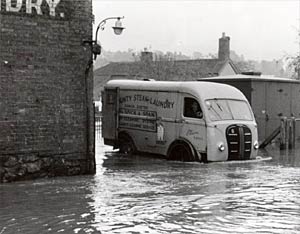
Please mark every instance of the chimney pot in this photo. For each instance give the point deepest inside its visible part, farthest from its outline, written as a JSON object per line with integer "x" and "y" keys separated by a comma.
{"x": 224, "y": 47}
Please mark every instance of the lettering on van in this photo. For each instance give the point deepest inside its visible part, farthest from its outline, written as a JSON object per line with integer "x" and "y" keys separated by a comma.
{"x": 194, "y": 134}
{"x": 138, "y": 112}
{"x": 191, "y": 132}
{"x": 138, "y": 119}
{"x": 165, "y": 104}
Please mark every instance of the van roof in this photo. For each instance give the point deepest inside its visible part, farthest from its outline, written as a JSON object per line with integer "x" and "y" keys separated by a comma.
{"x": 200, "y": 89}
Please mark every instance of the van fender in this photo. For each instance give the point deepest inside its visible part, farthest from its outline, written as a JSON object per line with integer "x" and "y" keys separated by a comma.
{"x": 123, "y": 134}
{"x": 185, "y": 142}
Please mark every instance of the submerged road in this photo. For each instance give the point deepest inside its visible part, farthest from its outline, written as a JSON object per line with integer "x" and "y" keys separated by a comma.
{"x": 143, "y": 194}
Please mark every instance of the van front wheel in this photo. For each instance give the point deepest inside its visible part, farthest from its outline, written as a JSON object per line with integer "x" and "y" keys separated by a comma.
{"x": 181, "y": 151}
{"x": 126, "y": 145}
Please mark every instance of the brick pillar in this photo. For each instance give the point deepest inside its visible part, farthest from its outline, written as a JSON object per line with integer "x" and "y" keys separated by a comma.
{"x": 46, "y": 100}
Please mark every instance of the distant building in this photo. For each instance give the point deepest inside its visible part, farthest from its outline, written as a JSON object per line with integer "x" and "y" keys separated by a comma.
{"x": 167, "y": 69}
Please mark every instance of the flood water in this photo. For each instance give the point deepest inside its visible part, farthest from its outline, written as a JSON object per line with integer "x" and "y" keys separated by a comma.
{"x": 143, "y": 194}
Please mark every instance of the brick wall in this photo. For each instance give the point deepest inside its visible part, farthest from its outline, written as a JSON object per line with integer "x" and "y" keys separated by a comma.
{"x": 46, "y": 117}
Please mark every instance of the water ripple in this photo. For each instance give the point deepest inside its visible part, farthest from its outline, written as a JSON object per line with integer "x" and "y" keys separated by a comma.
{"x": 142, "y": 194}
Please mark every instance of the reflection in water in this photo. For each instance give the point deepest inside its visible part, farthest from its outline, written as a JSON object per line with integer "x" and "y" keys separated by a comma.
{"x": 144, "y": 194}
{"x": 47, "y": 206}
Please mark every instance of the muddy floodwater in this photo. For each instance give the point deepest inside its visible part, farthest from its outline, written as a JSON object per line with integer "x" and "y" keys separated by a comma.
{"x": 144, "y": 194}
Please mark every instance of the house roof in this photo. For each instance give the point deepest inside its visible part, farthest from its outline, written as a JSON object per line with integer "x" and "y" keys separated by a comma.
{"x": 191, "y": 68}
{"x": 116, "y": 68}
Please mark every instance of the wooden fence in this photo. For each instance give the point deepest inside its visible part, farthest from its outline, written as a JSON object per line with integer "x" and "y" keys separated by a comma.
{"x": 287, "y": 132}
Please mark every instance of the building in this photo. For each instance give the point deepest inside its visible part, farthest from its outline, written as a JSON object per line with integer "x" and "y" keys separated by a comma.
{"x": 46, "y": 119}
{"x": 161, "y": 69}
{"x": 270, "y": 98}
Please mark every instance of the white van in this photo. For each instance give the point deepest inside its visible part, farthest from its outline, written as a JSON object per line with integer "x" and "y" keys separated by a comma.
{"x": 186, "y": 121}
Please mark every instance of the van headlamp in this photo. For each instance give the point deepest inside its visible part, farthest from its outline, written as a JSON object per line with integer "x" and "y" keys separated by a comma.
{"x": 256, "y": 145}
{"x": 221, "y": 147}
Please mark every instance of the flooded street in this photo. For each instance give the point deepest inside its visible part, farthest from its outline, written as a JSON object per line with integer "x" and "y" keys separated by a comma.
{"x": 143, "y": 194}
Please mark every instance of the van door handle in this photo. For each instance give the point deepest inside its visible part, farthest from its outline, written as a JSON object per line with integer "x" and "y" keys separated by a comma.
{"x": 180, "y": 121}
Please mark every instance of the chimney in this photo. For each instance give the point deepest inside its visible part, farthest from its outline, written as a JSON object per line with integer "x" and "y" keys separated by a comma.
{"x": 224, "y": 47}
{"x": 146, "y": 56}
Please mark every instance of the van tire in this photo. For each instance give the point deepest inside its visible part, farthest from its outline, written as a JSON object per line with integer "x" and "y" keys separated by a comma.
{"x": 181, "y": 151}
{"x": 126, "y": 144}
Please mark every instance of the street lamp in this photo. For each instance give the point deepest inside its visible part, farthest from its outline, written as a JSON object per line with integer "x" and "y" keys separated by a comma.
{"x": 96, "y": 48}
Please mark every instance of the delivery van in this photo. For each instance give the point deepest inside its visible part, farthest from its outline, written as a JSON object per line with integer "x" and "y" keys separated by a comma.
{"x": 185, "y": 121}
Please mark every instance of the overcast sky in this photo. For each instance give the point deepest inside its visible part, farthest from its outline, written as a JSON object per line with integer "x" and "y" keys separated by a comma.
{"x": 258, "y": 29}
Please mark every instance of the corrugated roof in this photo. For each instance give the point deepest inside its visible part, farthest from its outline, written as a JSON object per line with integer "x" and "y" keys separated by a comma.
{"x": 240, "y": 77}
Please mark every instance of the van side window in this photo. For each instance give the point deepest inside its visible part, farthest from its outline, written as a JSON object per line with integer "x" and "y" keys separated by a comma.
{"x": 192, "y": 108}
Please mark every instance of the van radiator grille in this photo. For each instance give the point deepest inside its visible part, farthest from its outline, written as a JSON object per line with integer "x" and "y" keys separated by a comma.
{"x": 239, "y": 139}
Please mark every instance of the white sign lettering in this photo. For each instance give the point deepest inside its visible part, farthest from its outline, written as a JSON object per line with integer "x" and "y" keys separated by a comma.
{"x": 16, "y": 6}
{"x": 11, "y": 8}
{"x": 36, "y": 5}
{"x": 52, "y": 5}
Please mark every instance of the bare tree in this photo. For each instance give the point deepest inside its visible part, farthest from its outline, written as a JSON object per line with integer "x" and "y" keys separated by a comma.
{"x": 294, "y": 65}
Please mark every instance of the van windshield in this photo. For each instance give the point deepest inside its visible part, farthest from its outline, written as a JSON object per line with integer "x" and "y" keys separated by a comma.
{"x": 228, "y": 109}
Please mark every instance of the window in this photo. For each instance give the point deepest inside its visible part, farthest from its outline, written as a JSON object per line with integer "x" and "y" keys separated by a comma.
{"x": 192, "y": 108}
{"x": 226, "y": 109}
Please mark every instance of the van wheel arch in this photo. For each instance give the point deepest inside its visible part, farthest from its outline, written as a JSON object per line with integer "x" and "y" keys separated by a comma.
{"x": 182, "y": 150}
{"x": 126, "y": 144}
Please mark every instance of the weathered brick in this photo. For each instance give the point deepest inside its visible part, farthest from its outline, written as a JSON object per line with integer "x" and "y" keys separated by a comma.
{"x": 45, "y": 109}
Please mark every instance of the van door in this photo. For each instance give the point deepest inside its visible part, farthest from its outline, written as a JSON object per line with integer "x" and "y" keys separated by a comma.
{"x": 110, "y": 107}
{"x": 193, "y": 127}
{"x": 278, "y": 96}
{"x": 258, "y": 104}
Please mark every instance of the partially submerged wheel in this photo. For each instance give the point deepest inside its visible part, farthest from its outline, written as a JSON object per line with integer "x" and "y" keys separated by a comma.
{"x": 126, "y": 145}
{"x": 181, "y": 151}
